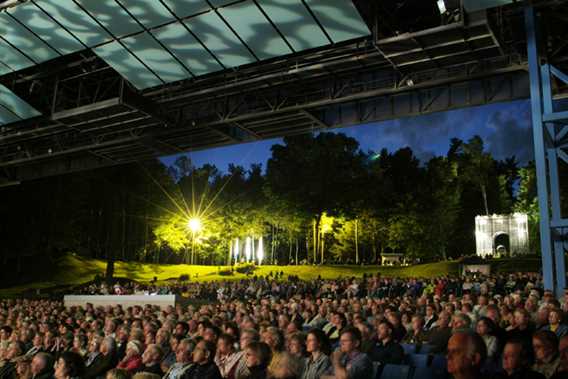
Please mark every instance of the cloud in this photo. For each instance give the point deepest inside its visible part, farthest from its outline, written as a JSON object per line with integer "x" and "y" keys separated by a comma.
{"x": 510, "y": 134}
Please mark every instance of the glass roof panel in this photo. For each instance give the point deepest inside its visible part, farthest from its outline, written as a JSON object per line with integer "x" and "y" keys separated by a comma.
{"x": 219, "y": 39}
{"x": 340, "y": 19}
{"x": 145, "y": 47}
{"x": 150, "y": 13}
{"x": 47, "y": 29}
{"x": 4, "y": 69}
{"x": 187, "y": 49}
{"x": 221, "y": 3}
{"x": 127, "y": 65}
{"x": 6, "y": 116}
{"x": 70, "y": 15}
{"x": 112, "y": 16}
{"x": 13, "y": 58}
{"x": 184, "y": 8}
{"x": 13, "y": 103}
{"x": 17, "y": 35}
{"x": 296, "y": 23}
{"x": 255, "y": 30}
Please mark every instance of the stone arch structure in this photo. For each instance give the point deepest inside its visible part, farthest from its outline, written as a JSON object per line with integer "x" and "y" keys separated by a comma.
{"x": 491, "y": 234}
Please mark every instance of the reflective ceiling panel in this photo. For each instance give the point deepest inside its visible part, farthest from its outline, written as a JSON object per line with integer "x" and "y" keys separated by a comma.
{"x": 187, "y": 49}
{"x": 127, "y": 65}
{"x": 7, "y": 117}
{"x": 340, "y": 19}
{"x": 112, "y": 16}
{"x": 255, "y": 30}
{"x": 16, "y": 106}
{"x": 17, "y": 35}
{"x": 45, "y": 28}
{"x": 78, "y": 22}
{"x": 13, "y": 58}
{"x": 296, "y": 23}
{"x": 219, "y": 39}
{"x": 150, "y": 13}
{"x": 145, "y": 47}
{"x": 184, "y": 8}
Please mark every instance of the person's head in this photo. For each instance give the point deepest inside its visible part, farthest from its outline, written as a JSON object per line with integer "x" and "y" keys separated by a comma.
{"x": 41, "y": 362}
{"x": 225, "y": 344}
{"x": 248, "y": 336}
{"x": 485, "y": 326}
{"x": 15, "y": 349}
{"x": 273, "y": 338}
{"x": 211, "y": 333}
{"x": 555, "y": 316}
{"x": 108, "y": 346}
{"x": 466, "y": 354}
{"x": 133, "y": 349}
{"x": 69, "y": 365}
{"x": 287, "y": 366}
{"x": 297, "y": 344}
{"x": 349, "y": 340}
{"x": 317, "y": 341}
{"x": 181, "y": 328}
{"x": 117, "y": 373}
{"x": 258, "y": 354}
{"x": 384, "y": 331}
{"x": 545, "y": 346}
{"x": 163, "y": 337}
{"x": 461, "y": 322}
{"x": 563, "y": 350}
{"x": 5, "y": 333}
{"x": 184, "y": 350}
{"x": 521, "y": 317}
{"x": 204, "y": 352}
{"x": 443, "y": 320}
{"x": 152, "y": 355}
{"x": 515, "y": 356}
{"x": 23, "y": 367}
{"x": 417, "y": 323}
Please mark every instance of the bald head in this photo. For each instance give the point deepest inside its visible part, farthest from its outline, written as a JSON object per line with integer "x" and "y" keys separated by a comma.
{"x": 466, "y": 354}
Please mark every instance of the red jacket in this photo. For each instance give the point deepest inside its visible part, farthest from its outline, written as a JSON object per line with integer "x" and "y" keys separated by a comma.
{"x": 131, "y": 364}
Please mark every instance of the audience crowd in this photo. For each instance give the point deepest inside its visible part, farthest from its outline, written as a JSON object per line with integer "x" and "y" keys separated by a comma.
{"x": 500, "y": 326}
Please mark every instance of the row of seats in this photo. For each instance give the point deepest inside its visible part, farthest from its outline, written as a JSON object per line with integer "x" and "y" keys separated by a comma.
{"x": 407, "y": 372}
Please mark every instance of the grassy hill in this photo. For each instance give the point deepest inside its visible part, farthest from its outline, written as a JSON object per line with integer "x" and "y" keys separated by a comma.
{"x": 75, "y": 270}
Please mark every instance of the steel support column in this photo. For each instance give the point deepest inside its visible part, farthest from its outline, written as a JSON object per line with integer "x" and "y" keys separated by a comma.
{"x": 547, "y": 147}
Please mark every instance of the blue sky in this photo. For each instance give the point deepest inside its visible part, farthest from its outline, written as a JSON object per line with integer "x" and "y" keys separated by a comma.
{"x": 505, "y": 129}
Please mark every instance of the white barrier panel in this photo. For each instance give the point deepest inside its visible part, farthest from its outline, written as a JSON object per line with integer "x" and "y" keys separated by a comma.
{"x": 124, "y": 300}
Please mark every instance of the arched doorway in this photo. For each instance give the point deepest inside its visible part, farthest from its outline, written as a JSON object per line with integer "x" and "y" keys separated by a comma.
{"x": 501, "y": 244}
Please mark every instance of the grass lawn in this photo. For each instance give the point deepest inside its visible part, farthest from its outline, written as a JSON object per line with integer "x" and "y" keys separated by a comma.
{"x": 75, "y": 270}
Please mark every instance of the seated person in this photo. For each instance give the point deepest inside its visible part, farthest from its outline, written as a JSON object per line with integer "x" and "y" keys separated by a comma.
{"x": 516, "y": 362}
{"x": 349, "y": 362}
{"x": 547, "y": 358}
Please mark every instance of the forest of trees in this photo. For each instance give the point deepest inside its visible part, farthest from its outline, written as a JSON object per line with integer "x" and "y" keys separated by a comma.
{"x": 319, "y": 199}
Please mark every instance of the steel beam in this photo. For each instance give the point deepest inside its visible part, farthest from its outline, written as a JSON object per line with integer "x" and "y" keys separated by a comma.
{"x": 546, "y": 158}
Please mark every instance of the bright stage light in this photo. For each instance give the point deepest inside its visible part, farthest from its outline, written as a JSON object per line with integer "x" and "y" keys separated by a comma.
{"x": 194, "y": 224}
{"x": 248, "y": 250}
{"x": 236, "y": 250}
{"x": 260, "y": 251}
{"x": 441, "y": 6}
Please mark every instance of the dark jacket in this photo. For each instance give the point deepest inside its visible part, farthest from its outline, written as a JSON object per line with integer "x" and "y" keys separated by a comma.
{"x": 519, "y": 374}
{"x": 206, "y": 371}
{"x": 154, "y": 369}
{"x": 100, "y": 366}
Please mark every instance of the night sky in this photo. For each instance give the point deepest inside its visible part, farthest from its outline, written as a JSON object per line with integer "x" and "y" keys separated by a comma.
{"x": 505, "y": 129}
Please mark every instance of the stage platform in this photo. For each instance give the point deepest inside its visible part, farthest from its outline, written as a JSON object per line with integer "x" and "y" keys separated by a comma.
{"x": 124, "y": 300}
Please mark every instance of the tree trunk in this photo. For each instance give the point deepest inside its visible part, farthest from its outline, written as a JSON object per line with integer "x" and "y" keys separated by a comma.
{"x": 356, "y": 242}
{"x": 315, "y": 241}
{"x": 484, "y": 193}
{"x": 297, "y": 248}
